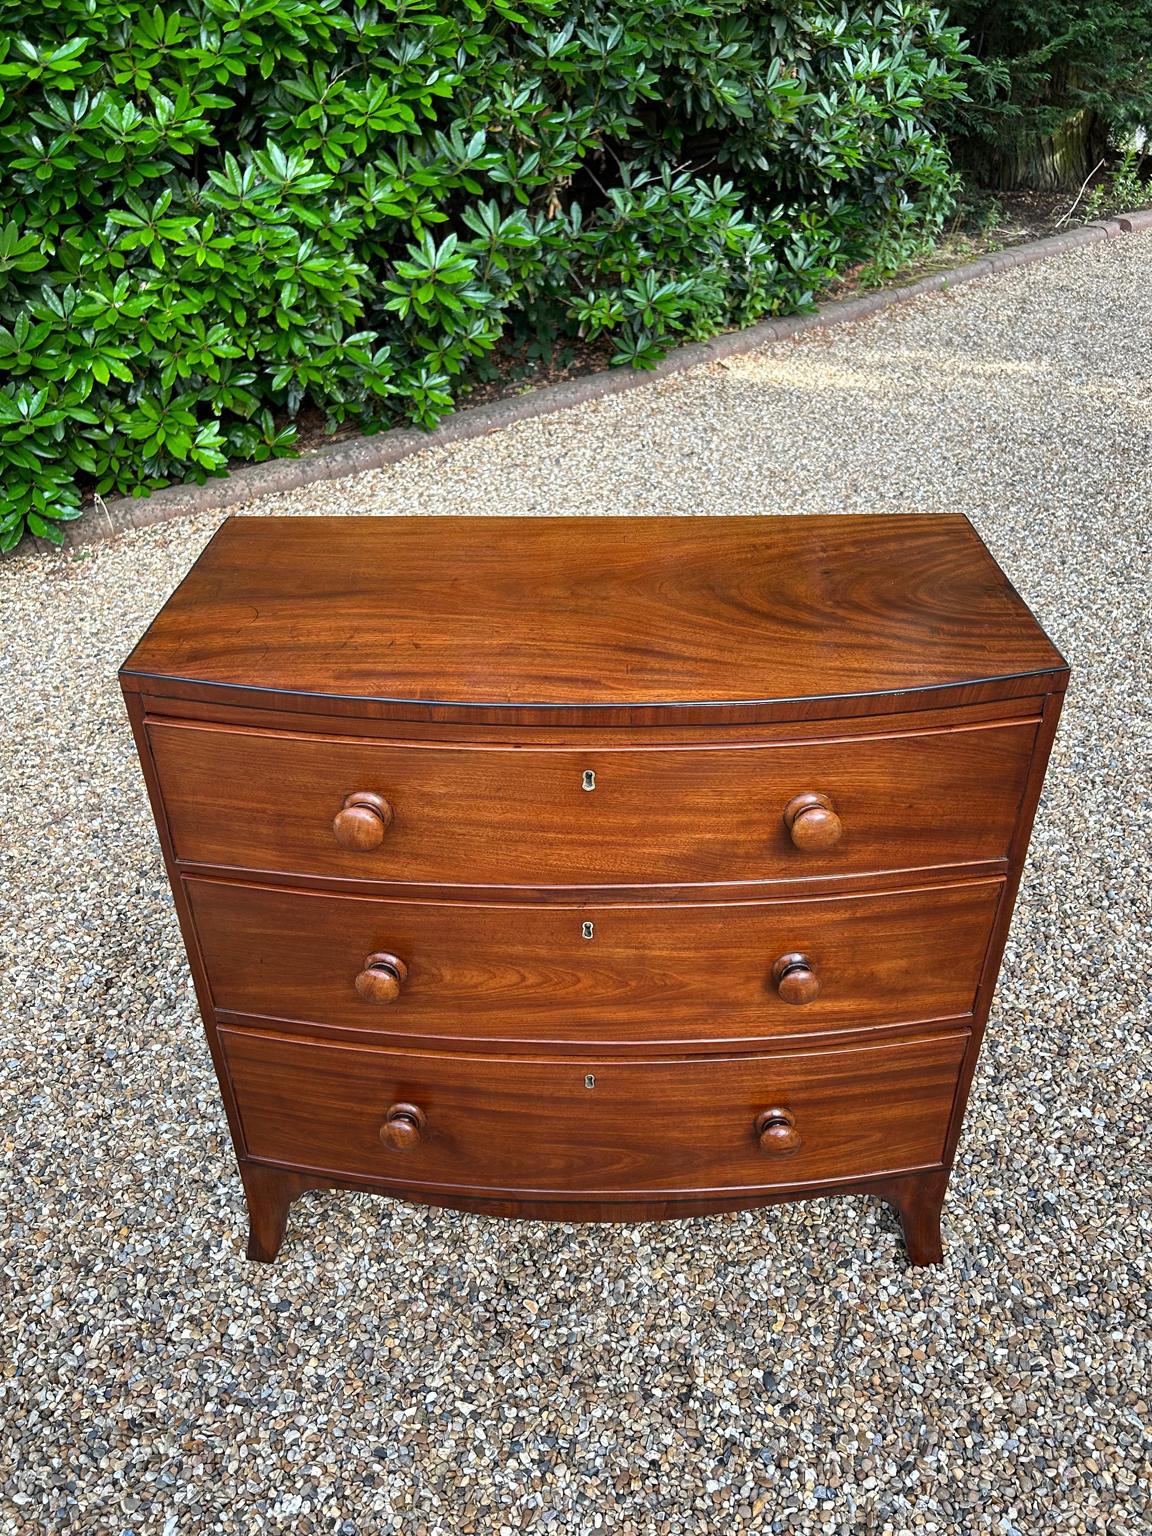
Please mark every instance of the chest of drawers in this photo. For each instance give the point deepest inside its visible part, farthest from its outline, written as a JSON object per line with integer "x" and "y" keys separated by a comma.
{"x": 595, "y": 868}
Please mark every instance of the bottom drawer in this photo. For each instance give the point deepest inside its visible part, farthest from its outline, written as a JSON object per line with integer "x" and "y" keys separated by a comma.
{"x": 603, "y": 1127}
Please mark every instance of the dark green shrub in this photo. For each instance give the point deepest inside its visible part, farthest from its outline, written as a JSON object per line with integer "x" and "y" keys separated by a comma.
{"x": 216, "y": 212}
{"x": 1060, "y": 79}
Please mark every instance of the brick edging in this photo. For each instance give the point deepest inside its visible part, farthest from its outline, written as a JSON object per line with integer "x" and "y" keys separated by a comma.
{"x": 358, "y": 454}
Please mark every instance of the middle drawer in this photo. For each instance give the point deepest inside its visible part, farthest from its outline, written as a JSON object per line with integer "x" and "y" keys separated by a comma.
{"x": 593, "y": 974}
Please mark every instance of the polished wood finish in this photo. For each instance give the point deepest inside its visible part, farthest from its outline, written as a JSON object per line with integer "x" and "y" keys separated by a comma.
{"x": 361, "y": 822}
{"x": 535, "y": 1126}
{"x": 595, "y": 869}
{"x": 166, "y": 699}
{"x": 795, "y": 979}
{"x": 812, "y": 822}
{"x": 403, "y": 1127}
{"x": 585, "y": 620}
{"x": 282, "y": 1186}
{"x": 269, "y": 1193}
{"x": 381, "y": 978}
{"x": 529, "y": 974}
{"x": 918, "y": 1201}
{"x": 777, "y": 1132}
{"x": 518, "y": 816}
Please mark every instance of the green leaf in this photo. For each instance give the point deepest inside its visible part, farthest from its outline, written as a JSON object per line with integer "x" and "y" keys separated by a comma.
{"x": 217, "y": 216}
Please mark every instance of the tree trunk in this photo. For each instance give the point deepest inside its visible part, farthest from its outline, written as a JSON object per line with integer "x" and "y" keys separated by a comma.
{"x": 1049, "y": 163}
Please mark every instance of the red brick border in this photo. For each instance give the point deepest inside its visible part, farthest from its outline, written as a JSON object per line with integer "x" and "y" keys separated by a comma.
{"x": 362, "y": 453}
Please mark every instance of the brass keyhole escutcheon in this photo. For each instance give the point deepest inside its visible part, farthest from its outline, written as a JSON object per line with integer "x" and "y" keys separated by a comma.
{"x": 590, "y": 1080}
{"x": 587, "y": 930}
{"x": 589, "y": 779}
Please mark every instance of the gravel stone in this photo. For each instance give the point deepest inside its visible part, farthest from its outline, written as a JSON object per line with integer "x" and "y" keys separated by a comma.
{"x": 419, "y": 1371}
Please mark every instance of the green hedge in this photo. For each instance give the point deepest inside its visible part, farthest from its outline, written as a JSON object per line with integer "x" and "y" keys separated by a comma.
{"x": 1058, "y": 80}
{"x": 214, "y": 213}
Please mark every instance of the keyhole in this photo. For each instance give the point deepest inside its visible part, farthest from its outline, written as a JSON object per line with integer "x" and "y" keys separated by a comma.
{"x": 590, "y": 1080}
{"x": 589, "y": 780}
{"x": 587, "y": 931}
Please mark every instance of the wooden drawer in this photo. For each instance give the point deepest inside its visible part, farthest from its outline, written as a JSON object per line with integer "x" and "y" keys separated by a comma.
{"x": 521, "y": 816}
{"x": 674, "y": 972}
{"x": 602, "y": 1127}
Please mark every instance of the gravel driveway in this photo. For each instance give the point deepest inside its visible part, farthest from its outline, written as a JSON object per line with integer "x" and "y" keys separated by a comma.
{"x": 416, "y": 1371}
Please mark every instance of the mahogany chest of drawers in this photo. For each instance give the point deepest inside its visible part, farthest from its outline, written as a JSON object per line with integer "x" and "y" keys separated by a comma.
{"x": 595, "y": 868}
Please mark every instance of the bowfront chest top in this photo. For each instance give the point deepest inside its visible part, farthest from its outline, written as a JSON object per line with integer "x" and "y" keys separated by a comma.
{"x": 595, "y": 868}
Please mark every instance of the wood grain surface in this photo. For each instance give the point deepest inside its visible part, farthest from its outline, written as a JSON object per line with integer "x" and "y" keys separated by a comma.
{"x": 167, "y": 699}
{"x": 586, "y": 613}
{"x": 595, "y": 868}
{"x": 600, "y": 1127}
{"x": 266, "y": 801}
{"x": 646, "y": 974}
{"x": 916, "y": 1197}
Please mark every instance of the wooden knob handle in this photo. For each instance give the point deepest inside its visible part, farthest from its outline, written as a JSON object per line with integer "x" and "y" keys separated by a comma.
{"x": 812, "y": 821}
{"x": 362, "y": 821}
{"x": 777, "y": 1131}
{"x": 796, "y": 980}
{"x": 381, "y": 979}
{"x": 403, "y": 1126}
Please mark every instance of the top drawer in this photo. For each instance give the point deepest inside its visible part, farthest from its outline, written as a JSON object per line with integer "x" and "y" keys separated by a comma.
{"x": 596, "y": 816}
